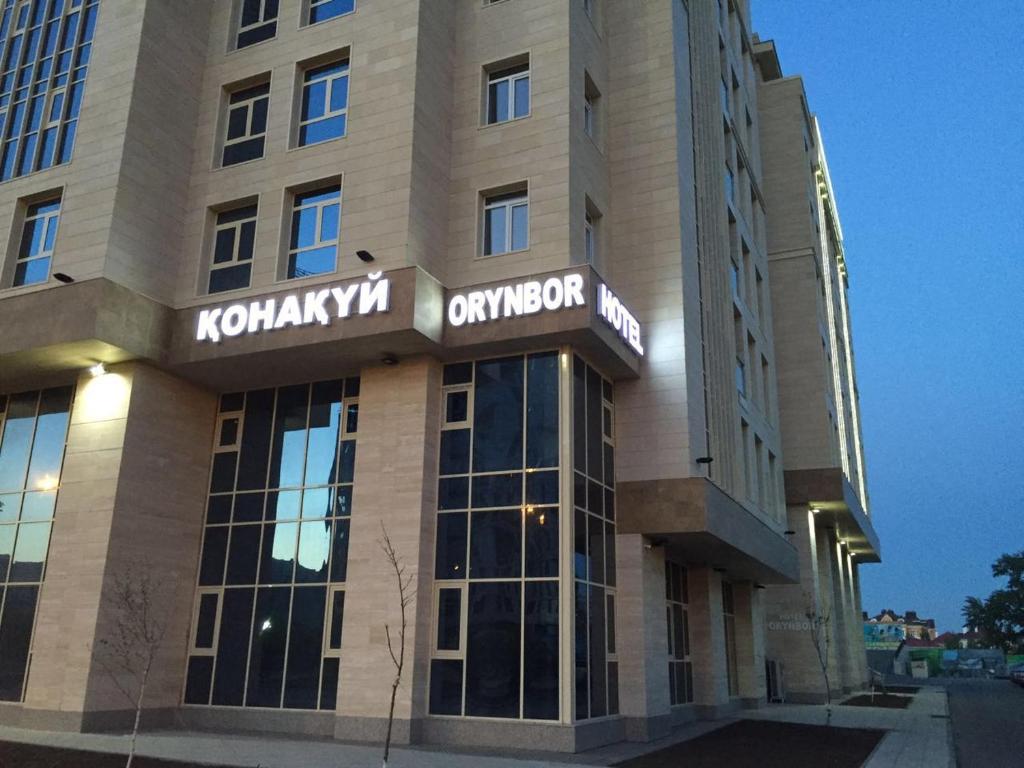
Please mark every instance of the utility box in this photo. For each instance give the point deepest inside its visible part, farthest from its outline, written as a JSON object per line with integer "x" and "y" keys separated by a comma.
{"x": 919, "y": 668}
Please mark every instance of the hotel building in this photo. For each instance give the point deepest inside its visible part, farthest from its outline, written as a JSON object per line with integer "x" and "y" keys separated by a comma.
{"x": 500, "y": 280}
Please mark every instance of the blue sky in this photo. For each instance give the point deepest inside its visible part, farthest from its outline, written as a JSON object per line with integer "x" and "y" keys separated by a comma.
{"x": 921, "y": 105}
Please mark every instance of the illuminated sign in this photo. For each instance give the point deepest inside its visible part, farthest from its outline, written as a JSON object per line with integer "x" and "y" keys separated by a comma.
{"x": 516, "y": 300}
{"x": 614, "y": 312}
{"x": 317, "y": 306}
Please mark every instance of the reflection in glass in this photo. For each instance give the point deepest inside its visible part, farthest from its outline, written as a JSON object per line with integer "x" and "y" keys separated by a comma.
{"x": 6, "y": 548}
{"x": 278, "y": 559}
{"x": 17, "y": 440}
{"x": 450, "y": 562}
{"x": 302, "y": 681}
{"x": 316, "y": 502}
{"x": 496, "y": 544}
{"x": 10, "y": 504}
{"x": 283, "y": 505}
{"x": 30, "y": 552}
{"x": 497, "y": 439}
{"x": 269, "y": 635}
{"x": 493, "y": 649}
{"x": 449, "y": 617}
{"x": 38, "y": 506}
{"x": 289, "y": 442}
{"x": 314, "y": 551}
{"x": 540, "y": 650}
{"x": 324, "y": 421}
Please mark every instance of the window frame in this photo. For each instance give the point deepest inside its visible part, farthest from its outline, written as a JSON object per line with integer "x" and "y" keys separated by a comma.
{"x": 304, "y": 69}
{"x": 509, "y": 199}
{"x": 193, "y": 649}
{"x": 510, "y": 71}
{"x": 307, "y": 13}
{"x": 238, "y": 29}
{"x": 215, "y": 228}
{"x": 290, "y": 210}
{"x": 229, "y": 91}
{"x": 24, "y": 218}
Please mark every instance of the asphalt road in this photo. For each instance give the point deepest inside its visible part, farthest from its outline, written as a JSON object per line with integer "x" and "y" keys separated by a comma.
{"x": 988, "y": 723}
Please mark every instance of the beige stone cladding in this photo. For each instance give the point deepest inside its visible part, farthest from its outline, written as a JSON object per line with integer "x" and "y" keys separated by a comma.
{"x": 130, "y": 505}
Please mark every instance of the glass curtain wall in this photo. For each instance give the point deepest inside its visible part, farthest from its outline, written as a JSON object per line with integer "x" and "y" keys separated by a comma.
{"x": 677, "y": 619}
{"x": 33, "y": 433}
{"x": 496, "y": 628}
{"x": 593, "y": 448}
{"x": 269, "y": 608}
{"x": 520, "y": 564}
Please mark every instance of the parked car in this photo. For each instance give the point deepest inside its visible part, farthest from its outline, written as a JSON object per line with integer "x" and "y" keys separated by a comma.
{"x": 1017, "y": 674}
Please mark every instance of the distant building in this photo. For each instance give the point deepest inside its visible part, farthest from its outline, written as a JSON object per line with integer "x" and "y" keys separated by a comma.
{"x": 912, "y": 625}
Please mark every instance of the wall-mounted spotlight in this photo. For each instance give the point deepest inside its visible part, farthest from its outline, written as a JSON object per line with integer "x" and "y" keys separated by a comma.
{"x": 719, "y": 570}
{"x": 704, "y": 459}
{"x": 389, "y": 359}
{"x": 654, "y": 543}
{"x": 365, "y": 256}
{"x": 97, "y": 370}
{"x": 61, "y": 277}
{"x": 759, "y": 586}
{"x": 815, "y": 511}
{"x": 789, "y": 533}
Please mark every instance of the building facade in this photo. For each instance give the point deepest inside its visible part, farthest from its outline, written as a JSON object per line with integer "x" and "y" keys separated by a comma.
{"x": 827, "y": 504}
{"x": 495, "y": 280}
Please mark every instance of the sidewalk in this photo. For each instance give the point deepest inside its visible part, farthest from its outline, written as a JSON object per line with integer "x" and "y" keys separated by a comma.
{"x": 918, "y": 736}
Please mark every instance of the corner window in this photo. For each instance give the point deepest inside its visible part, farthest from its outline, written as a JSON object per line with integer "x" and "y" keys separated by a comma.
{"x": 508, "y": 93}
{"x": 38, "y": 234}
{"x": 316, "y": 219}
{"x": 257, "y": 21}
{"x": 324, "y": 110}
{"x": 591, "y": 98}
{"x": 233, "y": 240}
{"x": 322, "y": 10}
{"x": 506, "y": 223}
{"x": 589, "y": 236}
{"x": 246, "y": 131}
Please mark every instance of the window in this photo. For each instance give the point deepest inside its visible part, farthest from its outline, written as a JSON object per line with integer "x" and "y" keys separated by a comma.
{"x": 246, "y": 124}
{"x": 495, "y": 645}
{"x": 269, "y": 606}
{"x": 324, "y": 110}
{"x": 589, "y": 238}
{"x": 316, "y": 219}
{"x": 591, "y": 100}
{"x": 588, "y": 8}
{"x": 322, "y": 10}
{"x": 596, "y": 675}
{"x": 37, "y": 238}
{"x": 508, "y": 93}
{"x": 734, "y": 279}
{"x": 741, "y": 377}
{"x": 233, "y": 240}
{"x": 677, "y": 622}
{"x": 45, "y": 50}
{"x": 725, "y": 98}
{"x": 257, "y": 21}
{"x": 506, "y": 223}
{"x": 33, "y": 430}
{"x": 729, "y": 184}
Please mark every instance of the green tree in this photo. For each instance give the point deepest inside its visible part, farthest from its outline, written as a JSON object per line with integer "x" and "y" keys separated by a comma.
{"x": 1000, "y": 616}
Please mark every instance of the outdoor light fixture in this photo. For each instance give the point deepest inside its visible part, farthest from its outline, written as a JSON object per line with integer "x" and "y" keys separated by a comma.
{"x": 365, "y": 256}
{"x": 719, "y": 570}
{"x": 759, "y": 586}
{"x": 654, "y": 543}
{"x": 389, "y": 359}
{"x": 815, "y": 510}
{"x": 61, "y": 277}
{"x": 704, "y": 460}
{"x": 789, "y": 533}
{"x": 98, "y": 370}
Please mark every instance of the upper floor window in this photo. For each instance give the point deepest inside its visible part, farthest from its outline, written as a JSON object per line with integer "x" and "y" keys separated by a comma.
{"x": 730, "y": 183}
{"x": 324, "y": 111}
{"x": 508, "y": 93}
{"x": 591, "y": 103}
{"x": 246, "y": 124}
{"x": 257, "y": 21}
{"x": 506, "y": 223}
{"x": 322, "y": 10}
{"x": 588, "y": 8}
{"x": 316, "y": 220}
{"x": 741, "y": 378}
{"x": 37, "y": 237}
{"x": 589, "y": 238}
{"x": 233, "y": 241}
{"x": 45, "y": 50}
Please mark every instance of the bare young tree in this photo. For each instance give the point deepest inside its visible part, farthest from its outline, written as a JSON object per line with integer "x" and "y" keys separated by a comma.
{"x": 406, "y": 594}
{"x": 818, "y": 626}
{"x": 138, "y": 628}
